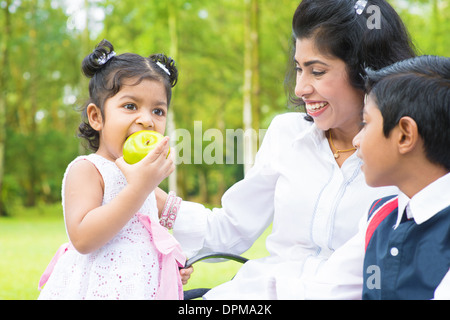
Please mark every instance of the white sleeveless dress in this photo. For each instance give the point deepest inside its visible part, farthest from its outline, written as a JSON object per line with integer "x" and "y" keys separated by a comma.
{"x": 127, "y": 267}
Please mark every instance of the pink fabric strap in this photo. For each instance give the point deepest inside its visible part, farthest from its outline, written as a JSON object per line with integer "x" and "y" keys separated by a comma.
{"x": 48, "y": 271}
{"x": 170, "y": 285}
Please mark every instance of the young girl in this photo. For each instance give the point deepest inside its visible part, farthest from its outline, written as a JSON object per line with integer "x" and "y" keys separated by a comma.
{"x": 118, "y": 249}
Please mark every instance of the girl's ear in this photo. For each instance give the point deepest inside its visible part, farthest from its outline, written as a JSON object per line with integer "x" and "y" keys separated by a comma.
{"x": 408, "y": 135}
{"x": 95, "y": 118}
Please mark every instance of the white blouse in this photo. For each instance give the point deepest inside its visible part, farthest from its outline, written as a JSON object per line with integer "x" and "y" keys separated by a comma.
{"x": 315, "y": 207}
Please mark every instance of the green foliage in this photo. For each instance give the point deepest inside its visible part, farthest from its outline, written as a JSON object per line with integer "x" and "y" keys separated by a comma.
{"x": 45, "y": 44}
{"x": 429, "y": 24}
{"x": 38, "y": 163}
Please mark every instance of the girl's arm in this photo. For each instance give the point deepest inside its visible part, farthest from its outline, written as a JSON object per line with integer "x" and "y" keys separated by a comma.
{"x": 91, "y": 225}
{"x": 161, "y": 198}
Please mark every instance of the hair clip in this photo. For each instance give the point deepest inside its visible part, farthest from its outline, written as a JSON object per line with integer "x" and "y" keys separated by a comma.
{"x": 360, "y": 6}
{"x": 163, "y": 67}
{"x": 105, "y": 58}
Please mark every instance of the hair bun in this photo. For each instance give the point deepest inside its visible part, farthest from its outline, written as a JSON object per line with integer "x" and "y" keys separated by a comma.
{"x": 96, "y": 60}
{"x": 170, "y": 68}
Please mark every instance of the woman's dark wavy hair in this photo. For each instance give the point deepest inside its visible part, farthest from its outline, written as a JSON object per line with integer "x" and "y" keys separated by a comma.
{"x": 338, "y": 31}
{"x": 107, "y": 79}
{"x": 418, "y": 88}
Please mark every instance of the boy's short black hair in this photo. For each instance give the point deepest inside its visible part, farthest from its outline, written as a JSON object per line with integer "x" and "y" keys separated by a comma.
{"x": 418, "y": 88}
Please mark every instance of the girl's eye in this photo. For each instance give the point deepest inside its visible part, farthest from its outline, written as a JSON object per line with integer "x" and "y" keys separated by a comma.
{"x": 130, "y": 106}
{"x": 159, "y": 112}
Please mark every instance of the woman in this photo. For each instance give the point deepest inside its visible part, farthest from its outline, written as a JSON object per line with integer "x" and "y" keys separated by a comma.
{"x": 306, "y": 179}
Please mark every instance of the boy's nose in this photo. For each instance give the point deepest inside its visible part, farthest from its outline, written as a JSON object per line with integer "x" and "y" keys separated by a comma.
{"x": 356, "y": 141}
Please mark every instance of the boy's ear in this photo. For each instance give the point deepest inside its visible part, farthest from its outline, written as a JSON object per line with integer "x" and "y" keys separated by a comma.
{"x": 408, "y": 135}
{"x": 95, "y": 118}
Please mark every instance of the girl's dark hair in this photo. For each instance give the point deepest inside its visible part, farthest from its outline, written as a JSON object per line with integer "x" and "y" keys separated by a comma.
{"x": 418, "y": 88}
{"x": 108, "y": 73}
{"x": 354, "y": 38}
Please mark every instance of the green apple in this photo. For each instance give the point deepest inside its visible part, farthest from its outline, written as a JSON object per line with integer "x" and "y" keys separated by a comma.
{"x": 139, "y": 144}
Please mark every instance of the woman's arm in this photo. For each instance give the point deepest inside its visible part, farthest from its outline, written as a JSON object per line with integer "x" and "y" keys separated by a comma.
{"x": 247, "y": 207}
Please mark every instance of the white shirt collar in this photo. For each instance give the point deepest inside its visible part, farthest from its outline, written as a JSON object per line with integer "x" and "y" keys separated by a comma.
{"x": 313, "y": 132}
{"x": 318, "y": 137}
{"x": 427, "y": 203}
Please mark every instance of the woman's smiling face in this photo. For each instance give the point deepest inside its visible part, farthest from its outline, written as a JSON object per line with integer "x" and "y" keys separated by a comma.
{"x": 323, "y": 83}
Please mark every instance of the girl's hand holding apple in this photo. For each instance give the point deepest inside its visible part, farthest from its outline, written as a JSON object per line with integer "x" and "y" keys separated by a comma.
{"x": 139, "y": 144}
{"x": 150, "y": 161}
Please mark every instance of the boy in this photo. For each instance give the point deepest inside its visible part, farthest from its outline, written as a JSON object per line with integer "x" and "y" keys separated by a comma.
{"x": 405, "y": 142}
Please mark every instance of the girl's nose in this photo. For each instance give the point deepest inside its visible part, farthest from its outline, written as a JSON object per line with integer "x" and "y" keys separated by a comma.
{"x": 146, "y": 120}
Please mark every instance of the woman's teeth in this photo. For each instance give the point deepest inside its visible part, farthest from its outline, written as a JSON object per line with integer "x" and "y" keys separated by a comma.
{"x": 316, "y": 106}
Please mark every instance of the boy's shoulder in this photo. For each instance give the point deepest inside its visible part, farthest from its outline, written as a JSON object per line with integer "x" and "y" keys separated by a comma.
{"x": 387, "y": 203}
{"x": 379, "y": 211}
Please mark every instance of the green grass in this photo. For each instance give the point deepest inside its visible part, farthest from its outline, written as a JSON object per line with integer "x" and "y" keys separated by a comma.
{"x": 29, "y": 240}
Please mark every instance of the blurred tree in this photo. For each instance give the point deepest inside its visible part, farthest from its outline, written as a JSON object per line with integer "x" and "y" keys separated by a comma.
{"x": 4, "y": 65}
{"x": 36, "y": 101}
{"x": 251, "y": 106}
{"x": 173, "y": 9}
